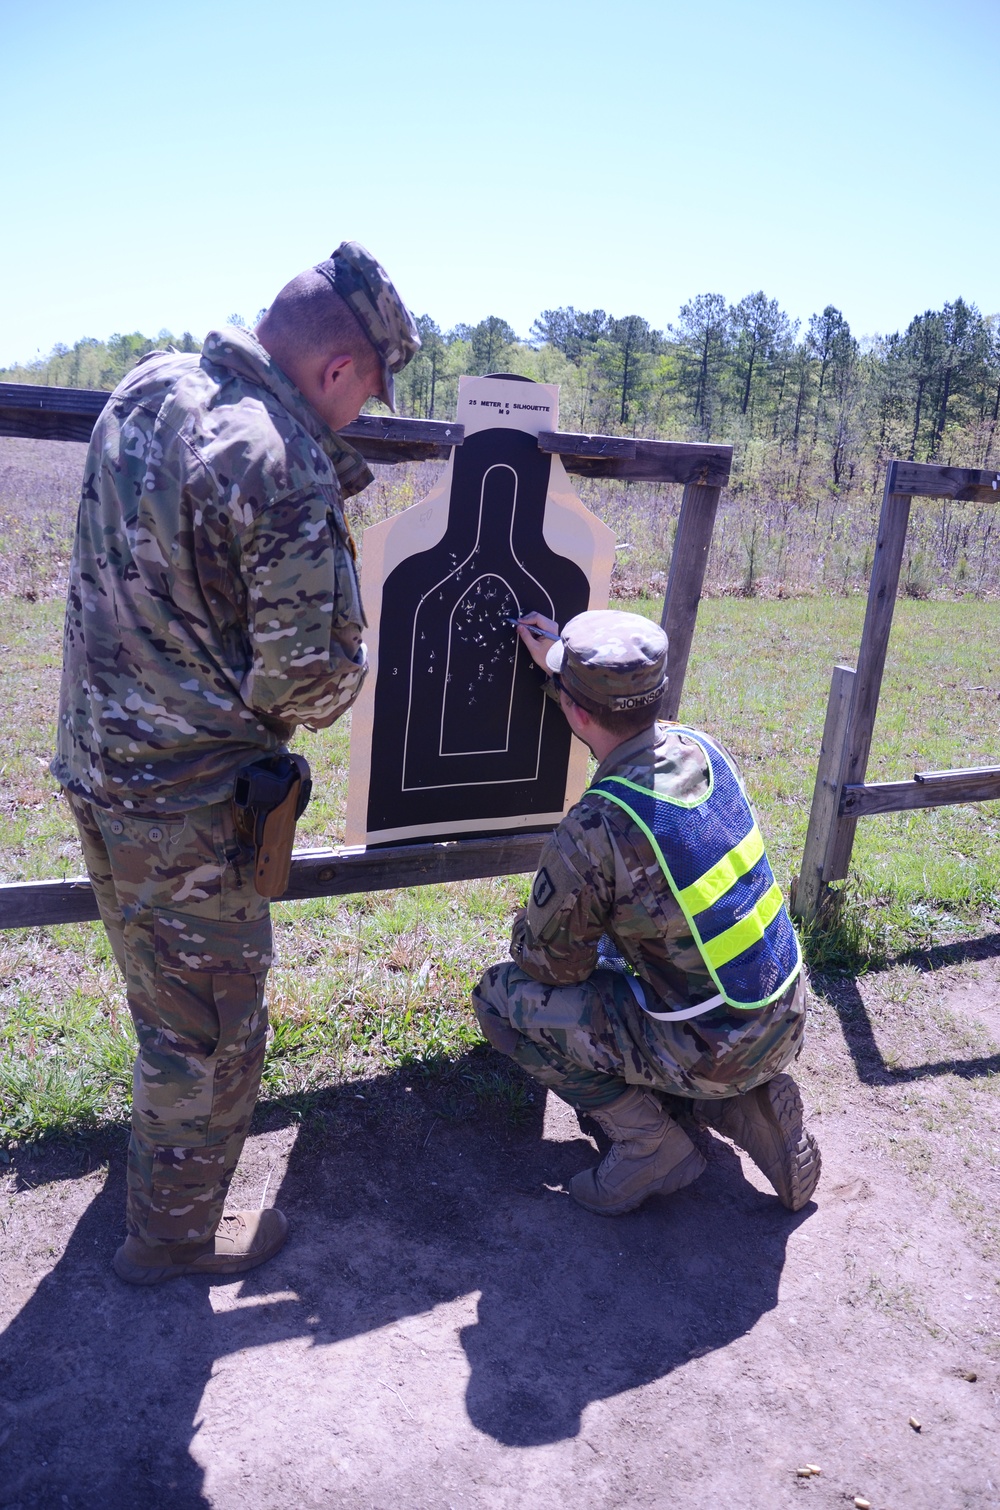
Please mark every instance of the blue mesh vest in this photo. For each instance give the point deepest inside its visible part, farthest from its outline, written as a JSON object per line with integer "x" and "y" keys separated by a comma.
{"x": 712, "y": 855}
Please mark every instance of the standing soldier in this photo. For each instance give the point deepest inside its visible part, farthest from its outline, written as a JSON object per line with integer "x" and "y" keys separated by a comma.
{"x": 655, "y": 954}
{"x": 213, "y": 607}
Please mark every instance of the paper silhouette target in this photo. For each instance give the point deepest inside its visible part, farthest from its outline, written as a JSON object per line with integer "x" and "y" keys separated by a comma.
{"x": 453, "y": 733}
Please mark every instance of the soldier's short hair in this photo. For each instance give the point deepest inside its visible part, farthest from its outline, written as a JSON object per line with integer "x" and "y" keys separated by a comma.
{"x": 310, "y": 318}
{"x": 624, "y": 722}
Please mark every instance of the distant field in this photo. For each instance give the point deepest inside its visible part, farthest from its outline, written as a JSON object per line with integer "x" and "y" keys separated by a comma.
{"x": 383, "y": 979}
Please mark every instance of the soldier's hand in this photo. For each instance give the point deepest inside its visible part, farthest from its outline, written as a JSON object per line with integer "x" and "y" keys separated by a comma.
{"x": 537, "y": 634}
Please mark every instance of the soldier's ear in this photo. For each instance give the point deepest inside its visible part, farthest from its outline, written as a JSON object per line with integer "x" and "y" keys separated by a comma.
{"x": 332, "y": 368}
{"x": 578, "y": 718}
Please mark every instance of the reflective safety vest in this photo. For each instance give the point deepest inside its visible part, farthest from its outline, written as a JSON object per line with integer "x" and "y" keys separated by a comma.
{"x": 712, "y": 855}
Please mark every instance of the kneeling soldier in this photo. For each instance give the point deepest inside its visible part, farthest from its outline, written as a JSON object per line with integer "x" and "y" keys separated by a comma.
{"x": 655, "y": 954}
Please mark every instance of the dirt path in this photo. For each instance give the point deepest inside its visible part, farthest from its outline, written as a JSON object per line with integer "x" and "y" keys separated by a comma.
{"x": 446, "y": 1329}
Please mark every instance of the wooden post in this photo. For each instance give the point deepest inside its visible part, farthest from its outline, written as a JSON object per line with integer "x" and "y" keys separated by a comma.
{"x": 809, "y": 886}
{"x": 687, "y": 573}
{"x": 871, "y": 663}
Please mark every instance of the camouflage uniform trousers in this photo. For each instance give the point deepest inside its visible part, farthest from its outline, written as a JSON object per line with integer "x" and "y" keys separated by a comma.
{"x": 588, "y": 1042}
{"x": 193, "y": 940}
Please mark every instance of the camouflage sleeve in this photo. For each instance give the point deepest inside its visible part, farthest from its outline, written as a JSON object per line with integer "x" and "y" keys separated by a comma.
{"x": 304, "y": 611}
{"x": 571, "y": 899}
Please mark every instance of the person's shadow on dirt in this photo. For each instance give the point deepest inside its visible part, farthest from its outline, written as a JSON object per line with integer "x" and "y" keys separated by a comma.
{"x": 407, "y": 1199}
{"x": 400, "y": 1198}
{"x": 580, "y": 1308}
{"x": 99, "y": 1384}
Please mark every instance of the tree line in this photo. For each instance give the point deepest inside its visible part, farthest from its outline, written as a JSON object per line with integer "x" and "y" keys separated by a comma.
{"x": 810, "y": 410}
{"x": 95, "y": 364}
{"x": 796, "y": 402}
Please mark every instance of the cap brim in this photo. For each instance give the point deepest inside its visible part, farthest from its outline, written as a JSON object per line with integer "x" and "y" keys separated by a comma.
{"x": 388, "y": 388}
{"x": 554, "y": 658}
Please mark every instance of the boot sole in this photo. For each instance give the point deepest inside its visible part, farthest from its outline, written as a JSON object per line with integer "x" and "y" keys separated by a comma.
{"x": 796, "y": 1171}
{"x": 685, "y": 1173}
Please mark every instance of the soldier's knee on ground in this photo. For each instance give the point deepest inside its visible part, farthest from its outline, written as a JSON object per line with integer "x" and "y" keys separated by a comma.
{"x": 497, "y": 1031}
{"x": 491, "y": 1004}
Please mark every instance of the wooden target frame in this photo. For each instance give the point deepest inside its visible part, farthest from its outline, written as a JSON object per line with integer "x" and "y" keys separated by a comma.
{"x": 45, "y": 413}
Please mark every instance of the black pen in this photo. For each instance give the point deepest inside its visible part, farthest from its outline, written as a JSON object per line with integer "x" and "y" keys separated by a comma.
{"x": 545, "y": 634}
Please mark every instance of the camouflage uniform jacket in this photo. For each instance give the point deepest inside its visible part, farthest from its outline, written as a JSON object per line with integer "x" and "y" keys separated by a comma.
{"x": 598, "y": 874}
{"x": 213, "y": 599}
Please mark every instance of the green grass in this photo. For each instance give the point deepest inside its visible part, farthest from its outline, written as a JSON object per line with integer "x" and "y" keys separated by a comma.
{"x": 381, "y": 981}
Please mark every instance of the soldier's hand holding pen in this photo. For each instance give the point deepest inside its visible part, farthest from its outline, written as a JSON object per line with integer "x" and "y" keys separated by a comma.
{"x": 537, "y": 633}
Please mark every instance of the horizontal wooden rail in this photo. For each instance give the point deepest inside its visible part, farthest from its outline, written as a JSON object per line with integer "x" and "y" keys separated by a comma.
{"x": 927, "y": 789}
{"x": 36, "y": 412}
{"x": 587, "y": 447}
{"x": 34, "y": 397}
{"x": 387, "y": 439}
{"x": 41, "y": 413}
{"x": 924, "y": 480}
{"x": 315, "y": 873}
{"x": 640, "y": 460}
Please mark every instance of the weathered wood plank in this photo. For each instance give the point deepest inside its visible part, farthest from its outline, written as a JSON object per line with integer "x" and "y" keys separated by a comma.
{"x": 40, "y": 424}
{"x": 29, "y": 904}
{"x": 386, "y": 438}
{"x": 966, "y": 484}
{"x": 927, "y": 789}
{"x": 389, "y": 427}
{"x": 90, "y": 401}
{"x": 688, "y": 562}
{"x": 39, "y": 413}
{"x": 35, "y": 396}
{"x": 331, "y": 873}
{"x": 566, "y": 443}
{"x": 882, "y": 591}
{"x": 45, "y": 413}
{"x": 653, "y": 460}
{"x": 808, "y": 888}
{"x": 315, "y": 873}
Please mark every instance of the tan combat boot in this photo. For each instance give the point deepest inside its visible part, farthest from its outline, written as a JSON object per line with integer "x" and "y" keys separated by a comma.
{"x": 767, "y": 1123}
{"x": 244, "y": 1239}
{"x": 649, "y": 1155}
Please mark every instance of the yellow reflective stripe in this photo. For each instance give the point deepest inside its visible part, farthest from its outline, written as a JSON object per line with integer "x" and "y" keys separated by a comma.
{"x": 645, "y": 791}
{"x": 722, "y": 876}
{"x": 748, "y": 931}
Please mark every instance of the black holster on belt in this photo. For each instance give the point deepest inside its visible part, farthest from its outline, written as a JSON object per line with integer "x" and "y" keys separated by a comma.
{"x": 269, "y": 797}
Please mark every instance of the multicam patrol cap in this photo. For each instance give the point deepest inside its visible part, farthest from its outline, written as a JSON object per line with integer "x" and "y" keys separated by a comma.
{"x": 365, "y": 287}
{"x": 611, "y": 660}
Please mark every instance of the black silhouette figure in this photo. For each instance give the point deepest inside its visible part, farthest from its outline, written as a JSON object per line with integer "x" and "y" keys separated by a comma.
{"x": 462, "y": 728}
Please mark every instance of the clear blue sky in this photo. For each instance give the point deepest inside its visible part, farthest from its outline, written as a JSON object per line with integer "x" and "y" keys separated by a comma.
{"x": 166, "y": 165}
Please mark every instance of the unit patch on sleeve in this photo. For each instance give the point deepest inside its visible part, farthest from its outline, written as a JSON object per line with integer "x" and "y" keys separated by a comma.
{"x": 554, "y": 889}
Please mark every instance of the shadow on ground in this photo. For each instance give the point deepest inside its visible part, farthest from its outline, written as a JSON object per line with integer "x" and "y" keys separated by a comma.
{"x": 859, "y": 1034}
{"x": 398, "y": 1201}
